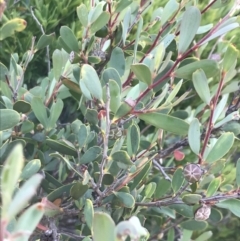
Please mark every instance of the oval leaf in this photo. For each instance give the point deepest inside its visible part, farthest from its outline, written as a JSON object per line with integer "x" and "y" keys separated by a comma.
{"x": 8, "y": 119}
{"x": 194, "y": 136}
{"x": 188, "y": 28}
{"x": 103, "y": 227}
{"x": 166, "y": 122}
{"x": 126, "y": 199}
{"x": 200, "y": 83}
{"x": 91, "y": 154}
{"x": 210, "y": 68}
{"x": 90, "y": 78}
{"x": 221, "y": 148}
{"x": 177, "y": 180}
{"x": 194, "y": 225}
{"x": 142, "y": 73}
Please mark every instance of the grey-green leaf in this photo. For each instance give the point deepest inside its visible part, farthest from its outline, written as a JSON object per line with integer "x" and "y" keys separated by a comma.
{"x": 142, "y": 72}
{"x": 166, "y": 122}
{"x": 177, "y": 180}
{"x": 91, "y": 154}
{"x": 82, "y": 13}
{"x": 89, "y": 213}
{"x": 221, "y": 148}
{"x": 69, "y": 38}
{"x": 8, "y": 119}
{"x": 194, "y": 136}
{"x": 188, "y": 28}
{"x": 90, "y": 78}
{"x": 103, "y": 227}
{"x": 40, "y": 111}
{"x": 200, "y": 83}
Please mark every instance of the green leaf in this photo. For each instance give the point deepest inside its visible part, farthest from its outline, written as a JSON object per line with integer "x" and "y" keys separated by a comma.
{"x": 90, "y": 78}
{"x": 204, "y": 236}
{"x": 27, "y": 126}
{"x": 221, "y": 31}
{"x": 230, "y": 57}
{"x": 111, "y": 74}
{"x": 213, "y": 186}
{"x": 82, "y": 136}
{"x": 174, "y": 92}
{"x": 28, "y": 221}
{"x": 61, "y": 148}
{"x": 71, "y": 85}
{"x": 3, "y": 72}
{"x": 30, "y": 169}
{"x": 210, "y": 68}
{"x": 78, "y": 190}
{"x": 122, "y": 110}
{"x": 103, "y": 227}
{"x": 150, "y": 189}
{"x": 125, "y": 198}
{"x": 121, "y": 5}
{"x": 55, "y": 112}
{"x": 231, "y": 204}
{"x": 24, "y": 195}
{"x": 91, "y": 155}
{"x": 10, "y": 175}
{"x": 177, "y": 180}
{"x": 9, "y": 28}
{"x": 21, "y": 106}
{"x": 8, "y": 119}
{"x": 183, "y": 209}
{"x": 82, "y": 13}
{"x": 115, "y": 96}
{"x": 44, "y": 41}
{"x": 200, "y": 83}
{"x": 215, "y": 216}
{"x": 117, "y": 61}
{"x": 194, "y": 225}
{"x": 138, "y": 33}
{"x": 194, "y": 136}
{"x": 170, "y": 8}
{"x": 221, "y": 148}
{"x": 189, "y": 25}
{"x": 58, "y": 63}
{"x": 100, "y": 22}
{"x": 122, "y": 158}
{"x": 166, "y": 122}
{"x": 69, "y": 38}
{"x": 39, "y": 111}
{"x": 163, "y": 186}
{"x": 141, "y": 175}
{"x": 142, "y": 73}
{"x": 238, "y": 172}
{"x": 133, "y": 140}
{"x": 88, "y": 214}
{"x": 57, "y": 193}
{"x": 191, "y": 198}
{"x": 92, "y": 116}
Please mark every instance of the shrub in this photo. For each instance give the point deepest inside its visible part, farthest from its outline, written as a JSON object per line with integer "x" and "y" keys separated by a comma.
{"x": 134, "y": 130}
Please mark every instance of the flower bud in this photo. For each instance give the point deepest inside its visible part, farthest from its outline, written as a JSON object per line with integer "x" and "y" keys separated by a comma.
{"x": 202, "y": 213}
{"x": 192, "y": 173}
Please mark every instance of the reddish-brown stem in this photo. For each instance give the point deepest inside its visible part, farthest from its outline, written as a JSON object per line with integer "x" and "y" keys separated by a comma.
{"x": 213, "y": 105}
{"x": 54, "y": 93}
{"x": 110, "y": 11}
{"x": 208, "y": 6}
{"x": 180, "y": 58}
{"x": 149, "y": 50}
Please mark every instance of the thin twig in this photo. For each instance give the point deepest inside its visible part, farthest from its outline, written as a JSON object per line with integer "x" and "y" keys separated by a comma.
{"x": 210, "y": 122}
{"x": 43, "y": 32}
{"x": 106, "y": 136}
{"x": 167, "y": 202}
{"x": 159, "y": 167}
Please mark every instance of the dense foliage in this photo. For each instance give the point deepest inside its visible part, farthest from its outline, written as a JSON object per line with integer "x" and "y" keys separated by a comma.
{"x": 119, "y": 120}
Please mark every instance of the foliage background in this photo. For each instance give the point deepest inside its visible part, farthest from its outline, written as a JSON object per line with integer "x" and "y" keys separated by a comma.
{"x": 53, "y": 15}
